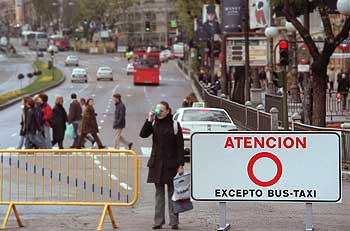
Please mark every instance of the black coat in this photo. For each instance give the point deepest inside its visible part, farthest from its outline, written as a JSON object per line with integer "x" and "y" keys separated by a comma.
{"x": 343, "y": 86}
{"x": 119, "y": 116}
{"x": 24, "y": 119}
{"x": 31, "y": 125}
{"x": 58, "y": 122}
{"x": 167, "y": 150}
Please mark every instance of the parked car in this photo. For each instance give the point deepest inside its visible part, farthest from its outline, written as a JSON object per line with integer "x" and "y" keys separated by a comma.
{"x": 202, "y": 119}
{"x": 79, "y": 75}
{"x": 72, "y": 60}
{"x": 104, "y": 73}
{"x": 130, "y": 69}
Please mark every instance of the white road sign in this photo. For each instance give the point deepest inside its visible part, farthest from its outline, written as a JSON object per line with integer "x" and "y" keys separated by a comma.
{"x": 266, "y": 166}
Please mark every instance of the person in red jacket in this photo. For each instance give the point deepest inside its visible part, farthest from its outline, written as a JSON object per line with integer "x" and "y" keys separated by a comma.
{"x": 47, "y": 111}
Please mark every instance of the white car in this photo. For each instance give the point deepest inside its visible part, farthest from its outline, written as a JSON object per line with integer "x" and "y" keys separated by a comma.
{"x": 105, "y": 73}
{"x": 52, "y": 48}
{"x": 165, "y": 55}
{"x": 79, "y": 75}
{"x": 202, "y": 119}
{"x": 130, "y": 69}
{"x": 72, "y": 60}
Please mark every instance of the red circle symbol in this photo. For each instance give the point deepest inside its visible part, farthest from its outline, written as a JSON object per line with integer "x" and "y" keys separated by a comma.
{"x": 251, "y": 166}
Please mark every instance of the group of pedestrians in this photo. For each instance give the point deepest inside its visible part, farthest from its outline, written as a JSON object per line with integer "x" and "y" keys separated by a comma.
{"x": 167, "y": 157}
{"x": 38, "y": 120}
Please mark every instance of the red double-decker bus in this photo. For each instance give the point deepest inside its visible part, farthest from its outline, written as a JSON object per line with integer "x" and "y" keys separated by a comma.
{"x": 146, "y": 67}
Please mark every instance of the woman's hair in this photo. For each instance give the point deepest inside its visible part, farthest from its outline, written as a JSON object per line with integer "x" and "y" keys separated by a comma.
{"x": 88, "y": 101}
{"x": 82, "y": 100}
{"x": 26, "y": 100}
{"x": 166, "y": 105}
{"x": 59, "y": 100}
{"x": 31, "y": 102}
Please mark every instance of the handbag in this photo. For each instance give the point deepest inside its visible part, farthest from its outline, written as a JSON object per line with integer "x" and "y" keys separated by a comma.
{"x": 69, "y": 132}
{"x": 182, "y": 187}
{"x": 181, "y": 206}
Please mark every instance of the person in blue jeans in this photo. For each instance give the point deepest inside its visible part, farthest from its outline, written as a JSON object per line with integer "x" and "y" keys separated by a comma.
{"x": 74, "y": 118}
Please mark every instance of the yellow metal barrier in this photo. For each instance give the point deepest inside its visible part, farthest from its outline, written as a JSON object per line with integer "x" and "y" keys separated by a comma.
{"x": 68, "y": 177}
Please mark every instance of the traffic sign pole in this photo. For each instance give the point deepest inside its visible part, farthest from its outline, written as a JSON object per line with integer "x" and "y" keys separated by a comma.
{"x": 309, "y": 222}
{"x": 223, "y": 225}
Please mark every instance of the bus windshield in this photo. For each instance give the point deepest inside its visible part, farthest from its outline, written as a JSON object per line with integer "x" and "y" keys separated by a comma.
{"x": 146, "y": 61}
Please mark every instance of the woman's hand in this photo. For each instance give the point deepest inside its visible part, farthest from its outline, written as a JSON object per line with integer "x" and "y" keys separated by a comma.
{"x": 180, "y": 170}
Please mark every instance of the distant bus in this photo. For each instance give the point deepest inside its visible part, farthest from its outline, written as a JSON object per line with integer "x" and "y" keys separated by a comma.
{"x": 38, "y": 41}
{"x": 24, "y": 37}
{"x": 178, "y": 50}
{"x": 59, "y": 41}
{"x": 146, "y": 67}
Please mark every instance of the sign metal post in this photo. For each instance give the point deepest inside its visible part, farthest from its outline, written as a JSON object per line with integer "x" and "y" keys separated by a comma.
{"x": 223, "y": 225}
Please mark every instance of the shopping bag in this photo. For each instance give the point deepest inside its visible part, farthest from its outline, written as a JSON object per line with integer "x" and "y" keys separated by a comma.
{"x": 69, "y": 133}
{"x": 181, "y": 206}
{"x": 182, "y": 187}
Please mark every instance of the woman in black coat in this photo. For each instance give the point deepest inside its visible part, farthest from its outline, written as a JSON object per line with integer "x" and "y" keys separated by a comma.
{"x": 167, "y": 159}
{"x": 58, "y": 122}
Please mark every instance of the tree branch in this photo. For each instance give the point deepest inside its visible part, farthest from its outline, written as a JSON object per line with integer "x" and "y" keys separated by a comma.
{"x": 304, "y": 33}
{"x": 326, "y": 21}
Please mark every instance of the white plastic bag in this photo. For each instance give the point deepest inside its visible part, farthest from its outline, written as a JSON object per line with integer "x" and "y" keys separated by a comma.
{"x": 182, "y": 187}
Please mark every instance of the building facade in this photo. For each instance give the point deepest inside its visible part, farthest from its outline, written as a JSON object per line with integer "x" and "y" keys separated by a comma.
{"x": 159, "y": 14}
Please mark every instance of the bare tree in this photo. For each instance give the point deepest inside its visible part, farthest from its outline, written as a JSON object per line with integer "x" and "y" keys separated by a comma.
{"x": 320, "y": 58}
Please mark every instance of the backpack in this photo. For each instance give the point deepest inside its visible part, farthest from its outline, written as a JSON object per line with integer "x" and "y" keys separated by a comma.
{"x": 176, "y": 128}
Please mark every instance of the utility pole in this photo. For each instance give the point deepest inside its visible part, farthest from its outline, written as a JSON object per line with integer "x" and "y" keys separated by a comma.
{"x": 246, "y": 44}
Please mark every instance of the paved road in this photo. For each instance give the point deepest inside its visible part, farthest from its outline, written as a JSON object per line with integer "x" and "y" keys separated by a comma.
{"x": 243, "y": 216}
{"x": 10, "y": 68}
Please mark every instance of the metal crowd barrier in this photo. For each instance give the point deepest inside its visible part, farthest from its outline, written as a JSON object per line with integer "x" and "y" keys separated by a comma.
{"x": 68, "y": 177}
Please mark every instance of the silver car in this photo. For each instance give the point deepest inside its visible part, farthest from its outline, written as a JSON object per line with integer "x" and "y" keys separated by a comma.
{"x": 72, "y": 60}
{"x": 79, "y": 75}
{"x": 105, "y": 73}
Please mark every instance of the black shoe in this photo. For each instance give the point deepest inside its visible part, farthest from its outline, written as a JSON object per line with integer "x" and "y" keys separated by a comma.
{"x": 130, "y": 146}
{"x": 174, "y": 227}
{"x": 102, "y": 147}
{"x": 157, "y": 227}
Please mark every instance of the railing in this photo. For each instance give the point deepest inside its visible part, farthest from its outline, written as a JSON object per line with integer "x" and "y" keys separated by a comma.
{"x": 244, "y": 117}
{"x": 68, "y": 177}
{"x": 345, "y": 139}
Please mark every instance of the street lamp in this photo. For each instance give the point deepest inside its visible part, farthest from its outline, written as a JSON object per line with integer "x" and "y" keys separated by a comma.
{"x": 270, "y": 33}
{"x": 343, "y": 7}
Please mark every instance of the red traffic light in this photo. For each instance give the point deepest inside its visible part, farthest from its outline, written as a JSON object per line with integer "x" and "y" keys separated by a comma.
{"x": 283, "y": 44}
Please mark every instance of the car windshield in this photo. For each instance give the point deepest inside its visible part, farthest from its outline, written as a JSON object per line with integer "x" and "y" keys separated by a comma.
{"x": 72, "y": 57}
{"x": 205, "y": 115}
{"x": 105, "y": 69}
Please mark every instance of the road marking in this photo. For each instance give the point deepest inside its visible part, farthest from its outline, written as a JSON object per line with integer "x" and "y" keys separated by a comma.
{"x": 128, "y": 95}
{"x": 163, "y": 95}
{"x": 147, "y": 96}
{"x": 102, "y": 121}
{"x": 103, "y": 168}
{"x": 97, "y": 162}
{"x": 115, "y": 88}
{"x": 146, "y": 151}
{"x": 99, "y": 127}
{"x": 104, "y": 115}
{"x": 129, "y": 87}
{"x": 71, "y": 87}
{"x": 83, "y": 89}
{"x": 125, "y": 186}
{"x": 107, "y": 110}
{"x": 93, "y": 95}
{"x": 100, "y": 87}
{"x": 113, "y": 177}
{"x": 160, "y": 77}
{"x": 109, "y": 106}
{"x": 14, "y": 134}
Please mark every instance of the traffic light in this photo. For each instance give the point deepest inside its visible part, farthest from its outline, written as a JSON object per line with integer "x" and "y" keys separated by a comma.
{"x": 199, "y": 57}
{"x": 147, "y": 26}
{"x": 284, "y": 54}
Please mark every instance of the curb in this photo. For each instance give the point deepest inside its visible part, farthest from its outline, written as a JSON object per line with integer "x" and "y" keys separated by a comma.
{"x": 195, "y": 90}
{"x": 18, "y": 99}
